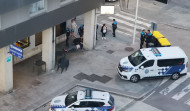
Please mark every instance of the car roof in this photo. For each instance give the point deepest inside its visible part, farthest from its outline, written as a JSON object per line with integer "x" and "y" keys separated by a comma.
{"x": 165, "y": 53}
{"x": 96, "y": 95}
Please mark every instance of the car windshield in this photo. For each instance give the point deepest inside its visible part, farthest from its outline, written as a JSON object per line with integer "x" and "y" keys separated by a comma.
{"x": 136, "y": 58}
{"x": 111, "y": 101}
{"x": 71, "y": 98}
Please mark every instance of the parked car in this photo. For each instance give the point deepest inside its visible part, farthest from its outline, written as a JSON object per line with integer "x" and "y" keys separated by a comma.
{"x": 153, "y": 62}
{"x": 87, "y": 100}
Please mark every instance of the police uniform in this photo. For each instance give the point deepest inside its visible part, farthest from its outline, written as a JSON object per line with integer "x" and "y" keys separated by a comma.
{"x": 142, "y": 39}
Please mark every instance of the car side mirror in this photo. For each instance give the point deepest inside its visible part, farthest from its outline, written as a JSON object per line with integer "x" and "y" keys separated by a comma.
{"x": 142, "y": 67}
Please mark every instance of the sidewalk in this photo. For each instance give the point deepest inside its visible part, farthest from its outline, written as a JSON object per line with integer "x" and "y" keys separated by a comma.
{"x": 171, "y": 14}
{"x": 33, "y": 91}
{"x": 95, "y": 69}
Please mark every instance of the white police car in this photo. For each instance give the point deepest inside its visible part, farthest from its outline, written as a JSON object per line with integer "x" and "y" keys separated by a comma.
{"x": 87, "y": 100}
{"x": 153, "y": 62}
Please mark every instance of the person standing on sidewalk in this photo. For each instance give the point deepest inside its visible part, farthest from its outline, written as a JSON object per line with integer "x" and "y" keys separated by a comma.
{"x": 81, "y": 30}
{"x": 142, "y": 38}
{"x": 148, "y": 38}
{"x": 73, "y": 28}
{"x": 104, "y": 30}
{"x": 68, "y": 32}
{"x": 114, "y": 27}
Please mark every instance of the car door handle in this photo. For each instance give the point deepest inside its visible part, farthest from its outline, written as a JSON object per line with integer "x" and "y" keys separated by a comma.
{"x": 152, "y": 70}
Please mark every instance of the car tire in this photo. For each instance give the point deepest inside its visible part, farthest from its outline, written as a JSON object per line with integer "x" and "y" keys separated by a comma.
{"x": 135, "y": 78}
{"x": 175, "y": 76}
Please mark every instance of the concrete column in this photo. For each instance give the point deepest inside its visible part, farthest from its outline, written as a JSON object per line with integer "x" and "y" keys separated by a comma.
{"x": 48, "y": 48}
{"x": 6, "y": 70}
{"x": 89, "y": 30}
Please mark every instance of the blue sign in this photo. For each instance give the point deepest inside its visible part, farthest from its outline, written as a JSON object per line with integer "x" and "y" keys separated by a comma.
{"x": 16, "y": 51}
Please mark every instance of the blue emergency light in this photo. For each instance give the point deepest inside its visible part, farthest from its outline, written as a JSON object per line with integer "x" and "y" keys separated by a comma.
{"x": 156, "y": 52}
{"x": 88, "y": 93}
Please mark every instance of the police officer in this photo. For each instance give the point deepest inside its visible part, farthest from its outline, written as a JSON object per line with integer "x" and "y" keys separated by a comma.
{"x": 149, "y": 38}
{"x": 114, "y": 27}
{"x": 68, "y": 32}
{"x": 142, "y": 38}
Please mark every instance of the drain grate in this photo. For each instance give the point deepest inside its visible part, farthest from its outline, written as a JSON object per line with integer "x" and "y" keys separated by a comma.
{"x": 129, "y": 49}
{"x": 93, "y": 77}
{"x": 110, "y": 51}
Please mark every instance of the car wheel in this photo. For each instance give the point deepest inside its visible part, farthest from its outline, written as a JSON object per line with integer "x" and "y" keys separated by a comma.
{"x": 175, "y": 76}
{"x": 134, "y": 78}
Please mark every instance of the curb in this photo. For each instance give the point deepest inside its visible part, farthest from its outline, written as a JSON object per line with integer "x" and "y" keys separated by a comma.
{"x": 43, "y": 102}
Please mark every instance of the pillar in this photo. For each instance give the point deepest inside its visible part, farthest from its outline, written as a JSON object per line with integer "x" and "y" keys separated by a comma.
{"x": 6, "y": 70}
{"x": 89, "y": 30}
{"x": 48, "y": 48}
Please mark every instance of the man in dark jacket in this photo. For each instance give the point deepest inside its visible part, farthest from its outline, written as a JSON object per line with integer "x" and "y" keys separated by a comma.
{"x": 142, "y": 38}
{"x": 114, "y": 27}
{"x": 68, "y": 32}
{"x": 81, "y": 30}
{"x": 149, "y": 39}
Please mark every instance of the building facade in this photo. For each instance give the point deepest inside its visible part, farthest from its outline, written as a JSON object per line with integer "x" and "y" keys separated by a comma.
{"x": 36, "y": 26}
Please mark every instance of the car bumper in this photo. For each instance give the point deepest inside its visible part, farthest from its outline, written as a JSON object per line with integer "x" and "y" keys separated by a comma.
{"x": 121, "y": 75}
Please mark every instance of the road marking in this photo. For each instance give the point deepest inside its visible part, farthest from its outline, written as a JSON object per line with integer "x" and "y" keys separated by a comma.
{"x": 117, "y": 30}
{"x": 132, "y": 19}
{"x": 149, "y": 95}
{"x": 182, "y": 93}
{"x": 126, "y": 23}
{"x": 187, "y": 102}
{"x": 164, "y": 80}
{"x": 168, "y": 89}
{"x": 120, "y": 27}
{"x": 133, "y": 15}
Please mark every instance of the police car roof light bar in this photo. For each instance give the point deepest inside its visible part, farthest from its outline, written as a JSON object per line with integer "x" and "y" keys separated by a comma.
{"x": 88, "y": 93}
{"x": 156, "y": 52}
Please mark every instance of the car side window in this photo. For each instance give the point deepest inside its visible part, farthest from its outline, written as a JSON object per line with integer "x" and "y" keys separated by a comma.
{"x": 148, "y": 63}
{"x": 95, "y": 104}
{"x": 82, "y": 104}
{"x": 170, "y": 62}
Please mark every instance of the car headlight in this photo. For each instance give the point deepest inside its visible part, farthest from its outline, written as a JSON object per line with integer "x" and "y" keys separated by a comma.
{"x": 127, "y": 69}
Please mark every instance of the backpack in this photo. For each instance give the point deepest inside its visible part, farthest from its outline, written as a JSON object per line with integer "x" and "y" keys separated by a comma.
{"x": 104, "y": 29}
{"x": 114, "y": 25}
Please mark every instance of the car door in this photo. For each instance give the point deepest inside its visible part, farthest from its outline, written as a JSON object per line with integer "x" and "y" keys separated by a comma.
{"x": 96, "y": 105}
{"x": 79, "y": 106}
{"x": 147, "y": 69}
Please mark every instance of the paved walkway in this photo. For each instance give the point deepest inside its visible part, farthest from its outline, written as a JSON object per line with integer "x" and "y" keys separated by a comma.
{"x": 96, "y": 69}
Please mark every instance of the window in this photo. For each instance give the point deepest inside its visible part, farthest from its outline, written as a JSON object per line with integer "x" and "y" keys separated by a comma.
{"x": 60, "y": 29}
{"x": 95, "y": 104}
{"x": 170, "y": 62}
{"x": 37, "y": 6}
{"x": 66, "y": 2}
{"x": 136, "y": 58}
{"x": 89, "y": 104}
{"x": 71, "y": 98}
{"x": 111, "y": 101}
{"x": 23, "y": 43}
{"x": 38, "y": 39}
{"x": 148, "y": 63}
{"x": 81, "y": 105}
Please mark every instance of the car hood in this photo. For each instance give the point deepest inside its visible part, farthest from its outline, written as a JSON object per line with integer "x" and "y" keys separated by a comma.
{"x": 58, "y": 102}
{"x": 125, "y": 63}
